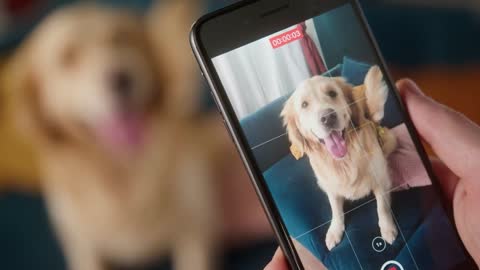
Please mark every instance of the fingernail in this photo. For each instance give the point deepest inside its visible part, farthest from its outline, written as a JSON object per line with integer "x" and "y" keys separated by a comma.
{"x": 413, "y": 88}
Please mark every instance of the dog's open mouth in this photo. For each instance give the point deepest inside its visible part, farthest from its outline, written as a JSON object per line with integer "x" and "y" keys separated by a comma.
{"x": 124, "y": 132}
{"x": 336, "y": 144}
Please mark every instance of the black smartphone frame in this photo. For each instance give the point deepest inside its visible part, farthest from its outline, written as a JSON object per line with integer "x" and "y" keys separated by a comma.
{"x": 271, "y": 7}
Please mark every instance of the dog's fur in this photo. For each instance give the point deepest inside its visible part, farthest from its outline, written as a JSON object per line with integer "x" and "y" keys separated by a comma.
{"x": 360, "y": 170}
{"x": 125, "y": 195}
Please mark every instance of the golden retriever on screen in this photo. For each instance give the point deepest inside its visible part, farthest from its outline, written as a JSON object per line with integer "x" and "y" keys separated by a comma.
{"x": 126, "y": 176}
{"x": 337, "y": 127}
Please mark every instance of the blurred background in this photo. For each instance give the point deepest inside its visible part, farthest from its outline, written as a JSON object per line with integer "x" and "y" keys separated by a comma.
{"x": 434, "y": 42}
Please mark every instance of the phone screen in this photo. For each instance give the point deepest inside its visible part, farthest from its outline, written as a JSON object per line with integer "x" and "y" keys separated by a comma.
{"x": 329, "y": 136}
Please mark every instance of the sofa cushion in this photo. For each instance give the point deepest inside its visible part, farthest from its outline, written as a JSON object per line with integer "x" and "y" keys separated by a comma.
{"x": 266, "y": 135}
{"x": 336, "y": 71}
{"x": 304, "y": 208}
{"x": 354, "y": 71}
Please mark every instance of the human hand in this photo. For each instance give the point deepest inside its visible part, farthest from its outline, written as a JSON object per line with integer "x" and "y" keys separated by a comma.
{"x": 456, "y": 141}
{"x": 308, "y": 260}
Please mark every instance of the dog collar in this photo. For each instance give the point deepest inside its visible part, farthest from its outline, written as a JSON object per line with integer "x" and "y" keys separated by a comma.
{"x": 380, "y": 134}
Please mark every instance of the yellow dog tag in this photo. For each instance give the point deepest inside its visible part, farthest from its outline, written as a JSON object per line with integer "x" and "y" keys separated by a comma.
{"x": 297, "y": 153}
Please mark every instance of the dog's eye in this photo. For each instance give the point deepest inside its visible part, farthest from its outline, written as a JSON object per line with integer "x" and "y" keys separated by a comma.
{"x": 304, "y": 104}
{"x": 332, "y": 94}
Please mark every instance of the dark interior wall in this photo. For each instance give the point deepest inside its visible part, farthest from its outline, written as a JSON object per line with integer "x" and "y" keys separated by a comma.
{"x": 411, "y": 35}
{"x": 20, "y": 25}
{"x": 340, "y": 35}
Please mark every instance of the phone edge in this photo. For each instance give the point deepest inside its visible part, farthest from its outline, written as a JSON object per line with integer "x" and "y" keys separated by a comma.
{"x": 274, "y": 218}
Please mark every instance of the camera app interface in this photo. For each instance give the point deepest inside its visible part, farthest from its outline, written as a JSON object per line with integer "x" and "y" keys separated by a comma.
{"x": 330, "y": 139}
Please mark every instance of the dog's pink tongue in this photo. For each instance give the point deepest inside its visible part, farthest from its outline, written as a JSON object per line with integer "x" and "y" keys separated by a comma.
{"x": 336, "y": 145}
{"x": 123, "y": 133}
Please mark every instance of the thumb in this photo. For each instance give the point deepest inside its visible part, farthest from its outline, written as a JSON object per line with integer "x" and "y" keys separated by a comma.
{"x": 453, "y": 137}
{"x": 278, "y": 262}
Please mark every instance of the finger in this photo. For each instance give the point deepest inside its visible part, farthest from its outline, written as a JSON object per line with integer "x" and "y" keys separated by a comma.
{"x": 278, "y": 262}
{"x": 448, "y": 180}
{"x": 453, "y": 137}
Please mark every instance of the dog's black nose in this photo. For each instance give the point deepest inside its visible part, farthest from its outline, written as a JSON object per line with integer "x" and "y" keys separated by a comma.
{"x": 329, "y": 118}
{"x": 122, "y": 84}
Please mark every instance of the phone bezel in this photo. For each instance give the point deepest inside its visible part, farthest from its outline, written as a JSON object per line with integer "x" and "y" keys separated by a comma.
{"x": 233, "y": 124}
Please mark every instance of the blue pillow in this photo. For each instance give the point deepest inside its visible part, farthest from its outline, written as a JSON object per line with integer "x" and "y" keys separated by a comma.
{"x": 354, "y": 71}
{"x": 261, "y": 127}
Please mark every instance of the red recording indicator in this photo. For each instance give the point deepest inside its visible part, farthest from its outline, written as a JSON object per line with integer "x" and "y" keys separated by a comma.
{"x": 286, "y": 38}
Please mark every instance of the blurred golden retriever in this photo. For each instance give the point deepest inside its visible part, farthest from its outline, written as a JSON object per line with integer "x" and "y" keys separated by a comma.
{"x": 126, "y": 175}
{"x": 337, "y": 127}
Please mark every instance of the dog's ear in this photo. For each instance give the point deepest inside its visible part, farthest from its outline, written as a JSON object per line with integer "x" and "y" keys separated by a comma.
{"x": 376, "y": 92}
{"x": 173, "y": 19}
{"x": 296, "y": 138}
{"x": 25, "y": 108}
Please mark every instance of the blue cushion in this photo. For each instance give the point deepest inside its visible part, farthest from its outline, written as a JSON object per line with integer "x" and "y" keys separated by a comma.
{"x": 262, "y": 127}
{"x": 303, "y": 207}
{"x": 354, "y": 71}
{"x": 26, "y": 237}
{"x": 336, "y": 71}
{"x": 28, "y": 242}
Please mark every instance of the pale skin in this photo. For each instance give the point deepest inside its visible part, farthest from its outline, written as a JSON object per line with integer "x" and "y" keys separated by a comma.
{"x": 456, "y": 141}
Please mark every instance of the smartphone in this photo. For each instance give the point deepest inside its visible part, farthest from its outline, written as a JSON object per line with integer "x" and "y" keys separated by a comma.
{"x": 334, "y": 157}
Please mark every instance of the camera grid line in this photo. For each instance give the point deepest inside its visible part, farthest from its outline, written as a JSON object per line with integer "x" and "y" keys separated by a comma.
{"x": 390, "y": 207}
{"x": 348, "y": 212}
{"x": 353, "y": 249}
